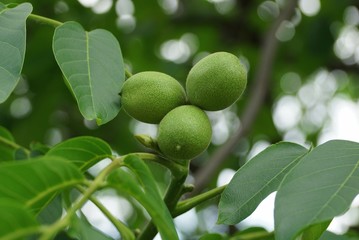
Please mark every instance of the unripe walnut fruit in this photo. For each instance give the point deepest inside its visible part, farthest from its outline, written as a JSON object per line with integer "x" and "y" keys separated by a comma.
{"x": 149, "y": 96}
{"x": 216, "y": 81}
{"x": 184, "y": 133}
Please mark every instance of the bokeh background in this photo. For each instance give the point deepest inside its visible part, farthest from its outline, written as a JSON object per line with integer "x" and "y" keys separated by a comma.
{"x": 302, "y": 59}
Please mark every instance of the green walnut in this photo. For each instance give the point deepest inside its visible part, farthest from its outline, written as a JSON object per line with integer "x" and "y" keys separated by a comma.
{"x": 149, "y": 96}
{"x": 184, "y": 133}
{"x": 216, "y": 81}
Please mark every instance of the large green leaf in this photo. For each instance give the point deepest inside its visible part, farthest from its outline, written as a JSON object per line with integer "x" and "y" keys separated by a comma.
{"x": 143, "y": 188}
{"x": 12, "y": 46}
{"x": 6, "y": 153}
{"x": 33, "y": 182}
{"x": 320, "y": 187}
{"x": 82, "y": 151}
{"x": 15, "y": 220}
{"x": 256, "y": 180}
{"x": 93, "y": 68}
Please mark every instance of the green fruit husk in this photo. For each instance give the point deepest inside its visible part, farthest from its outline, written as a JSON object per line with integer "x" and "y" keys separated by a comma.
{"x": 216, "y": 81}
{"x": 184, "y": 133}
{"x": 149, "y": 96}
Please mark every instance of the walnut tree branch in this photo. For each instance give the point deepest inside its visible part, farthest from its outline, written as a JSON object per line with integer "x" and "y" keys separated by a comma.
{"x": 257, "y": 95}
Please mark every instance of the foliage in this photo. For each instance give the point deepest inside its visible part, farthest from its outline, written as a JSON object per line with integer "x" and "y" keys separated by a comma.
{"x": 44, "y": 187}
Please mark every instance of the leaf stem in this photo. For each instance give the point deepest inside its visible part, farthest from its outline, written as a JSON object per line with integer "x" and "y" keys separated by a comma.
{"x": 13, "y": 145}
{"x": 175, "y": 168}
{"x": 125, "y": 232}
{"x": 128, "y": 74}
{"x": 45, "y": 20}
{"x": 50, "y": 231}
{"x": 188, "y": 204}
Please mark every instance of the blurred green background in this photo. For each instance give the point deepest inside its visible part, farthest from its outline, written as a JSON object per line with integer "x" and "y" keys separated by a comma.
{"x": 314, "y": 86}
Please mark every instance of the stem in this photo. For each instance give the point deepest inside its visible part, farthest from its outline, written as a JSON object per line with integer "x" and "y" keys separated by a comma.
{"x": 128, "y": 74}
{"x": 125, "y": 232}
{"x": 188, "y": 204}
{"x": 175, "y": 168}
{"x": 50, "y": 231}
{"x": 45, "y": 20}
{"x": 173, "y": 194}
{"x": 10, "y": 144}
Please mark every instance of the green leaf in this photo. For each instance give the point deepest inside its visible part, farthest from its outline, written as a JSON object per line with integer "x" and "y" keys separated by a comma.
{"x": 320, "y": 187}
{"x": 16, "y": 220}
{"x": 331, "y": 236}
{"x": 213, "y": 236}
{"x": 6, "y": 152}
{"x": 256, "y": 180}
{"x": 6, "y": 134}
{"x": 38, "y": 149}
{"x": 35, "y": 181}
{"x": 52, "y": 212}
{"x": 12, "y": 46}
{"x": 93, "y": 68}
{"x": 82, "y": 229}
{"x": 21, "y": 154}
{"x": 143, "y": 188}
{"x": 315, "y": 231}
{"x": 84, "y": 151}
{"x": 253, "y": 233}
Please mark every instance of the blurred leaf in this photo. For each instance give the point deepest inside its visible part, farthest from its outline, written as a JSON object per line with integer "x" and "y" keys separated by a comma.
{"x": 38, "y": 149}
{"x": 34, "y": 182}
{"x": 315, "y": 231}
{"x": 52, "y": 212}
{"x": 21, "y": 154}
{"x": 63, "y": 236}
{"x": 93, "y": 68}
{"x": 12, "y": 46}
{"x": 256, "y": 180}
{"x": 213, "y": 236}
{"x": 143, "y": 188}
{"x": 16, "y": 220}
{"x": 6, "y": 134}
{"x": 331, "y": 236}
{"x": 82, "y": 229}
{"x": 84, "y": 151}
{"x": 253, "y": 233}
{"x": 320, "y": 187}
{"x": 6, "y": 152}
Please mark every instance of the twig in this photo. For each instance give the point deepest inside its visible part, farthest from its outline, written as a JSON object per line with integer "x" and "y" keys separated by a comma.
{"x": 188, "y": 204}
{"x": 257, "y": 96}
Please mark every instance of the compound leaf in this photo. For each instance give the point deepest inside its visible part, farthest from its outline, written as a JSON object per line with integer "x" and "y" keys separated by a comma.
{"x": 83, "y": 151}
{"x": 321, "y": 186}
{"x": 93, "y": 68}
{"x": 12, "y": 46}
{"x": 35, "y": 181}
{"x": 256, "y": 180}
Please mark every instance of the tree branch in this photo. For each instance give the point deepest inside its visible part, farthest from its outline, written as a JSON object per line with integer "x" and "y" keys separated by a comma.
{"x": 258, "y": 93}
